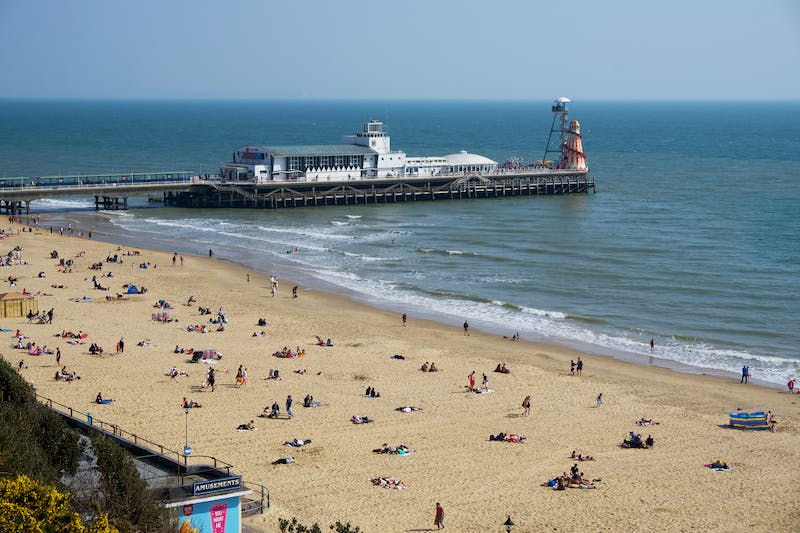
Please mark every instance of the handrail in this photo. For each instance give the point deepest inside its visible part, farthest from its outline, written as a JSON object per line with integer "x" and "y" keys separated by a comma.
{"x": 116, "y": 431}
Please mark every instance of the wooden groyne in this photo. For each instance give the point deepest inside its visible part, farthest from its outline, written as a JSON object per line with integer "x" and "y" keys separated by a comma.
{"x": 276, "y": 195}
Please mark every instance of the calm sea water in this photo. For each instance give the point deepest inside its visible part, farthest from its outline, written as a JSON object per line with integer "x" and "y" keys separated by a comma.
{"x": 692, "y": 237}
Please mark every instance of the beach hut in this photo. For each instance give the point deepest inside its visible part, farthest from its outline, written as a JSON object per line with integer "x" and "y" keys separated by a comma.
{"x": 754, "y": 420}
{"x": 16, "y": 304}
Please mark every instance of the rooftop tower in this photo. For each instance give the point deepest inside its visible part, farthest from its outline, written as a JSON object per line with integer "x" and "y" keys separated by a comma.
{"x": 565, "y": 138}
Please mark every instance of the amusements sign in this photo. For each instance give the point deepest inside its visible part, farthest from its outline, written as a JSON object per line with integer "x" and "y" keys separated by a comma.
{"x": 219, "y": 516}
{"x": 225, "y": 484}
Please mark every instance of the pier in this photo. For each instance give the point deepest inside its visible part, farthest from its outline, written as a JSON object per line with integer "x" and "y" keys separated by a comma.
{"x": 194, "y": 190}
{"x": 277, "y": 195}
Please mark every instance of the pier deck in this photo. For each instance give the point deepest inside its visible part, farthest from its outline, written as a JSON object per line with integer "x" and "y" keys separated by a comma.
{"x": 190, "y": 189}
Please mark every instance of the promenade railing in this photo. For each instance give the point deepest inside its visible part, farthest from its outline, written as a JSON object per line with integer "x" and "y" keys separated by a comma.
{"x": 138, "y": 440}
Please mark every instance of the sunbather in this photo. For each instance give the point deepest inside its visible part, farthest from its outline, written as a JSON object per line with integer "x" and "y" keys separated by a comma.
{"x": 250, "y": 426}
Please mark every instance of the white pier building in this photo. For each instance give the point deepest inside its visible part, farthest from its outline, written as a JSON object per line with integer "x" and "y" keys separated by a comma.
{"x": 365, "y": 155}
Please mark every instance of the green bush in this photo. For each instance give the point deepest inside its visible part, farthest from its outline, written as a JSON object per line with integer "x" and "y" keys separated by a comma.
{"x": 123, "y": 494}
{"x": 294, "y": 526}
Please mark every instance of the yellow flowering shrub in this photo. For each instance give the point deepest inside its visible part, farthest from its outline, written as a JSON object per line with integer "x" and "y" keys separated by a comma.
{"x": 28, "y": 507}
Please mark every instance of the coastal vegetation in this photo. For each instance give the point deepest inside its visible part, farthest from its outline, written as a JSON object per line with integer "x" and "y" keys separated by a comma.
{"x": 295, "y": 526}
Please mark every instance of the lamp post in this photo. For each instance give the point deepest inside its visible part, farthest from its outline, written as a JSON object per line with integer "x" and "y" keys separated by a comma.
{"x": 187, "y": 450}
{"x": 509, "y": 524}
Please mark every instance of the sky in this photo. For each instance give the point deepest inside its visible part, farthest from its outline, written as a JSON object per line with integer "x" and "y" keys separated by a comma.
{"x": 392, "y": 50}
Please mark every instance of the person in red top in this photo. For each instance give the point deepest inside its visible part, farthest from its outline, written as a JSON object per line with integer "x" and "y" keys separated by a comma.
{"x": 791, "y": 385}
{"x": 438, "y": 521}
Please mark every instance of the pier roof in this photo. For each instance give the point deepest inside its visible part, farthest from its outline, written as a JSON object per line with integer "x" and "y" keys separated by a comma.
{"x": 320, "y": 150}
{"x": 465, "y": 158}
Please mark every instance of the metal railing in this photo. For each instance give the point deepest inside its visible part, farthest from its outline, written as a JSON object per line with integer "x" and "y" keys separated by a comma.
{"x": 116, "y": 431}
{"x": 99, "y": 180}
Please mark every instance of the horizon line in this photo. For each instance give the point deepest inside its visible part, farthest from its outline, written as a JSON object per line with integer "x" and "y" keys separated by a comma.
{"x": 410, "y": 100}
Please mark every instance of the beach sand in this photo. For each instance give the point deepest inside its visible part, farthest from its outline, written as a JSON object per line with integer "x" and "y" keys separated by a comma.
{"x": 478, "y": 482}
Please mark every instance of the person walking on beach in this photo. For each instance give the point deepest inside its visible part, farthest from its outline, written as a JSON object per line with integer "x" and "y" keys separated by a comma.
{"x": 791, "y": 385}
{"x": 485, "y": 383}
{"x": 212, "y": 378}
{"x": 248, "y": 277}
{"x": 526, "y": 406}
{"x": 289, "y": 403}
{"x": 600, "y": 399}
{"x": 438, "y": 519}
{"x": 745, "y": 374}
{"x": 652, "y": 345}
{"x": 571, "y": 367}
{"x": 466, "y": 328}
{"x": 294, "y": 291}
{"x": 181, "y": 260}
{"x": 58, "y": 355}
{"x": 122, "y": 345}
{"x": 405, "y": 319}
{"x": 579, "y": 366}
{"x": 174, "y": 258}
{"x": 471, "y": 378}
{"x": 210, "y": 253}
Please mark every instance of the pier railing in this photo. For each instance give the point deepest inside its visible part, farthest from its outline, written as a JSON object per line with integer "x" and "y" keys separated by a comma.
{"x": 115, "y": 431}
{"x": 100, "y": 180}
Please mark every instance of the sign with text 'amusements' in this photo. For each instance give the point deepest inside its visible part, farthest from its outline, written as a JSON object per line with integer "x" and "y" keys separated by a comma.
{"x": 225, "y": 484}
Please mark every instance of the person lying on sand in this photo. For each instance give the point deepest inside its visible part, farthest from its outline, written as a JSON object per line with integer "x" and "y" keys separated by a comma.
{"x": 719, "y": 464}
{"x": 407, "y": 409}
{"x": 102, "y": 401}
{"x": 579, "y": 457}
{"x": 646, "y": 422}
{"x": 190, "y": 404}
{"x": 502, "y": 437}
{"x": 296, "y": 443}
{"x": 361, "y": 419}
{"x": 388, "y": 482}
{"x": 399, "y": 450}
{"x": 250, "y": 426}
{"x": 283, "y": 461}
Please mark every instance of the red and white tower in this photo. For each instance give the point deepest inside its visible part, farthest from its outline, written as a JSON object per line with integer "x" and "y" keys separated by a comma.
{"x": 572, "y": 156}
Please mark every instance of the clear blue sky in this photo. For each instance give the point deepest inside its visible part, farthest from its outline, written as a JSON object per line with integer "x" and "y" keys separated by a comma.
{"x": 410, "y": 49}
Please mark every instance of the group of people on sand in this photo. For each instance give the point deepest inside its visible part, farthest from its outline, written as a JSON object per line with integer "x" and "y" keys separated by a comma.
{"x": 288, "y": 353}
{"x": 575, "y": 368}
{"x": 635, "y": 441}
{"x": 503, "y": 437}
{"x": 574, "y": 480}
{"x": 309, "y": 401}
{"x": 65, "y": 375}
{"x": 580, "y": 457}
{"x": 190, "y": 404}
{"x": 501, "y": 368}
{"x": 429, "y": 368}
{"x": 372, "y": 393}
{"x": 484, "y": 387}
{"x": 321, "y": 342}
{"x": 394, "y": 450}
{"x": 388, "y": 483}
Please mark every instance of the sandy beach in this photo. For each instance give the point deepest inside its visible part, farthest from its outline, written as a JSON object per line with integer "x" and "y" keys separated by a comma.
{"x": 478, "y": 482}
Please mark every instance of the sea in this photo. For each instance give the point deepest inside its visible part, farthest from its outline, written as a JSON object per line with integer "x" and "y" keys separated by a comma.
{"x": 691, "y": 238}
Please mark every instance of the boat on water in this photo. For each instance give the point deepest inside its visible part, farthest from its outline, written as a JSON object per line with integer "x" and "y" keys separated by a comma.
{"x": 367, "y": 155}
